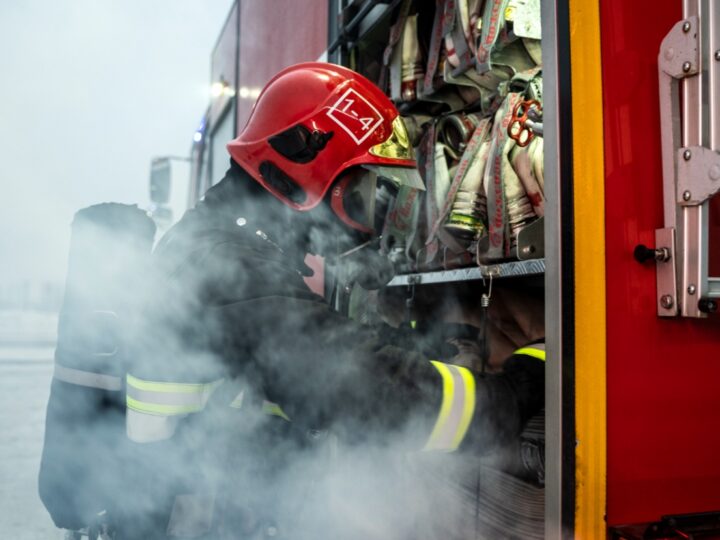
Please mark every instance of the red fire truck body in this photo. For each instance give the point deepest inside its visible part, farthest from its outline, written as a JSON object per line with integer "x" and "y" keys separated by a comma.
{"x": 662, "y": 400}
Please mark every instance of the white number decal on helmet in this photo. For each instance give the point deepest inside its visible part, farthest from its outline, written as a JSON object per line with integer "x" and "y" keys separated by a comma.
{"x": 355, "y": 115}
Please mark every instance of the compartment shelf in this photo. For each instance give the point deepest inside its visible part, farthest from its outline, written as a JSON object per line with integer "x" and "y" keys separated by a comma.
{"x": 531, "y": 267}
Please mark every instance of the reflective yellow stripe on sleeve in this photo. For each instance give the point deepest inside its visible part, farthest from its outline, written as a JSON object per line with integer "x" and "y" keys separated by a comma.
{"x": 154, "y": 408}
{"x": 456, "y": 410}
{"x": 273, "y": 409}
{"x": 536, "y": 351}
{"x": 167, "y": 398}
{"x": 268, "y": 407}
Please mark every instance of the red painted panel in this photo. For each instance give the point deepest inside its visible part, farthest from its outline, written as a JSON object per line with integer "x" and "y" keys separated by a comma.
{"x": 714, "y": 256}
{"x": 224, "y": 63}
{"x": 663, "y": 375}
{"x": 275, "y": 34}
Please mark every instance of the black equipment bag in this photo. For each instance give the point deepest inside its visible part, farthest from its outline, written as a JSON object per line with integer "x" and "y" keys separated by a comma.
{"x": 80, "y": 472}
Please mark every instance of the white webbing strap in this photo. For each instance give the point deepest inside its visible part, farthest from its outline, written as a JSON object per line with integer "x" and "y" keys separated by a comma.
{"x": 521, "y": 160}
{"x": 493, "y": 21}
{"x": 433, "y": 168}
{"x": 467, "y": 159}
{"x": 498, "y": 228}
{"x": 436, "y": 40}
{"x": 441, "y": 184}
{"x": 392, "y": 56}
{"x": 401, "y": 225}
{"x": 87, "y": 378}
{"x": 459, "y": 53}
{"x": 457, "y": 408}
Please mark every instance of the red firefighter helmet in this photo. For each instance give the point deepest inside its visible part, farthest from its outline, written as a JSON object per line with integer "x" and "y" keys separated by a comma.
{"x": 313, "y": 121}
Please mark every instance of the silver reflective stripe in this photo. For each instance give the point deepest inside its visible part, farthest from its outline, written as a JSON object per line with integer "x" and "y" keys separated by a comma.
{"x": 168, "y": 398}
{"x": 456, "y": 410}
{"x": 144, "y": 428}
{"x": 87, "y": 378}
{"x": 181, "y": 400}
{"x": 154, "y": 407}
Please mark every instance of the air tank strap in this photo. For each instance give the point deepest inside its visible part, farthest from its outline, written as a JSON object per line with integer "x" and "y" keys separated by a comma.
{"x": 89, "y": 379}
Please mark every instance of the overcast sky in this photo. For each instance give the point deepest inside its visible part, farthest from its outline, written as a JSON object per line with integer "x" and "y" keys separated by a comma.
{"x": 90, "y": 91}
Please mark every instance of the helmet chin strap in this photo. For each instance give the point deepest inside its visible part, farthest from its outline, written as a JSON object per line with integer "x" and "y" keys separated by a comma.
{"x": 373, "y": 242}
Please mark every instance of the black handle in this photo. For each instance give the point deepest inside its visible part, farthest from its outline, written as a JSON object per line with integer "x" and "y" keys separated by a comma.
{"x": 642, "y": 253}
{"x": 707, "y": 305}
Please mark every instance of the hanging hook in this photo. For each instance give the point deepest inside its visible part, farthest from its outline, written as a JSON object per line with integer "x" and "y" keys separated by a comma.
{"x": 486, "y": 296}
{"x": 484, "y": 341}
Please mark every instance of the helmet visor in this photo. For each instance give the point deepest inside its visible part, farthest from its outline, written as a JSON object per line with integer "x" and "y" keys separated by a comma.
{"x": 397, "y": 146}
{"x": 364, "y": 197}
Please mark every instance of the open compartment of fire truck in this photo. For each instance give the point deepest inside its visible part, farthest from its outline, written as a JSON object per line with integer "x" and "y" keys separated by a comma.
{"x": 467, "y": 80}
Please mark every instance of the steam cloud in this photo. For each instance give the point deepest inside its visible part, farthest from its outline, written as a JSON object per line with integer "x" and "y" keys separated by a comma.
{"x": 334, "y": 471}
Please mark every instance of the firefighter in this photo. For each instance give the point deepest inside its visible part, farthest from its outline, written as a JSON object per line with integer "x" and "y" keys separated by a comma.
{"x": 231, "y": 325}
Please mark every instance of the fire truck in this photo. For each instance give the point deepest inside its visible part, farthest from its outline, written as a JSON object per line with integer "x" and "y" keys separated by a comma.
{"x": 620, "y": 228}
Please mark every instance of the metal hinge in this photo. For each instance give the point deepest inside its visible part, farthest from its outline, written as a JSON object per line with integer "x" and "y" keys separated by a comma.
{"x": 691, "y": 165}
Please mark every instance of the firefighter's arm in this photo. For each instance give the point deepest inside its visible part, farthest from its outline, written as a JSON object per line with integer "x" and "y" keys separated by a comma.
{"x": 504, "y": 402}
{"x": 466, "y": 410}
{"x": 482, "y": 412}
{"x": 432, "y": 338}
{"x": 332, "y": 372}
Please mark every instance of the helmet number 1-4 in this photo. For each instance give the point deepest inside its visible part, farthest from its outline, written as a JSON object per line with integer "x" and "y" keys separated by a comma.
{"x": 355, "y": 115}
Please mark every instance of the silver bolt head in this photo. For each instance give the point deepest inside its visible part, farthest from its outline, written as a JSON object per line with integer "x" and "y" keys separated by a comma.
{"x": 686, "y": 27}
{"x": 686, "y": 66}
{"x": 666, "y": 301}
{"x": 691, "y": 289}
{"x": 686, "y": 196}
{"x": 717, "y": 55}
{"x": 687, "y": 154}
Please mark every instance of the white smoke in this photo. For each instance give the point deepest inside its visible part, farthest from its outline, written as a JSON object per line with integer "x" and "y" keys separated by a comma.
{"x": 334, "y": 471}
